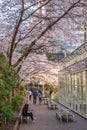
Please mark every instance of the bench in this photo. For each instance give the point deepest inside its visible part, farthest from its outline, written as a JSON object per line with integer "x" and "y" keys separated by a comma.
{"x": 46, "y": 100}
{"x": 52, "y": 105}
{"x": 64, "y": 113}
{"x": 26, "y": 118}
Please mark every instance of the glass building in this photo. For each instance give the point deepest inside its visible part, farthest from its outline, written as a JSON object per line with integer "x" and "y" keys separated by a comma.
{"x": 73, "y": 81}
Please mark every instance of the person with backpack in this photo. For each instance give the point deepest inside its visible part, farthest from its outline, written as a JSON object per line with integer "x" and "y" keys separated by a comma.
{"x": 40, "y": 96}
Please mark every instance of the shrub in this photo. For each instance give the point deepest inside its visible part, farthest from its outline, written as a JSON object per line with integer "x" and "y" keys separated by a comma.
{"x": 7, "y": 111}
{"x": 22, "y": 90}
{"x": 16, "y": 101}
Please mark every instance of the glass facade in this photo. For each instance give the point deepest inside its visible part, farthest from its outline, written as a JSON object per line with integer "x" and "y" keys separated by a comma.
{"x": 73, "y": 88}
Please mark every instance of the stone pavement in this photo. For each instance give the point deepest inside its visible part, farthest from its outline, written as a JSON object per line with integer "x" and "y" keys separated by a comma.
{"x": 46, "y": 120}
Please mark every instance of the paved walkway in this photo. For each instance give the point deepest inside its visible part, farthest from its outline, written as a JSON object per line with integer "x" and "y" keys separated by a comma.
{"x": 46, "y": 120}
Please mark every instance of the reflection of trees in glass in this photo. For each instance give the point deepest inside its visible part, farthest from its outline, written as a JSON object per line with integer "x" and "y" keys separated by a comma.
{"x": 83, "y": 86}
{"x": 73, "y": 86}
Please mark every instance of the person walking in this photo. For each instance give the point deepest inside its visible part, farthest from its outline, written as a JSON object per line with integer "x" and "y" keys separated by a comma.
{"x": 34, "y": 97}
{"x": 30, "y": 95}
{"x": 40, "y": 96}
{"x": 50, "y": 93}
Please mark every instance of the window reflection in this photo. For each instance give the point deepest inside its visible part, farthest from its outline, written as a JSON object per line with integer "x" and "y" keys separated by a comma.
{"x": 73, "y": 91}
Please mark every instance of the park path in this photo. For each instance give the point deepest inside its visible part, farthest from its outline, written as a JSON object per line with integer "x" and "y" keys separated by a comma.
{"x": 46, "y": 120}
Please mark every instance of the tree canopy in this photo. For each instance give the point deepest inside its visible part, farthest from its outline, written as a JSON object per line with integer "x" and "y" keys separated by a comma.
{"x": 36, "y": 27}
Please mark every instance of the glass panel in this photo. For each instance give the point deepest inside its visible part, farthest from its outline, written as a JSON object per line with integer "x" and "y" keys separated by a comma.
{"x": 73, "y": 91}
{"x": 84, "y": 92}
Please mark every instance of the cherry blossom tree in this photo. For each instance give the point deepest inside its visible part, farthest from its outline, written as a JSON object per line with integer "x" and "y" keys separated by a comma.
{"x": 35, "y": 26}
